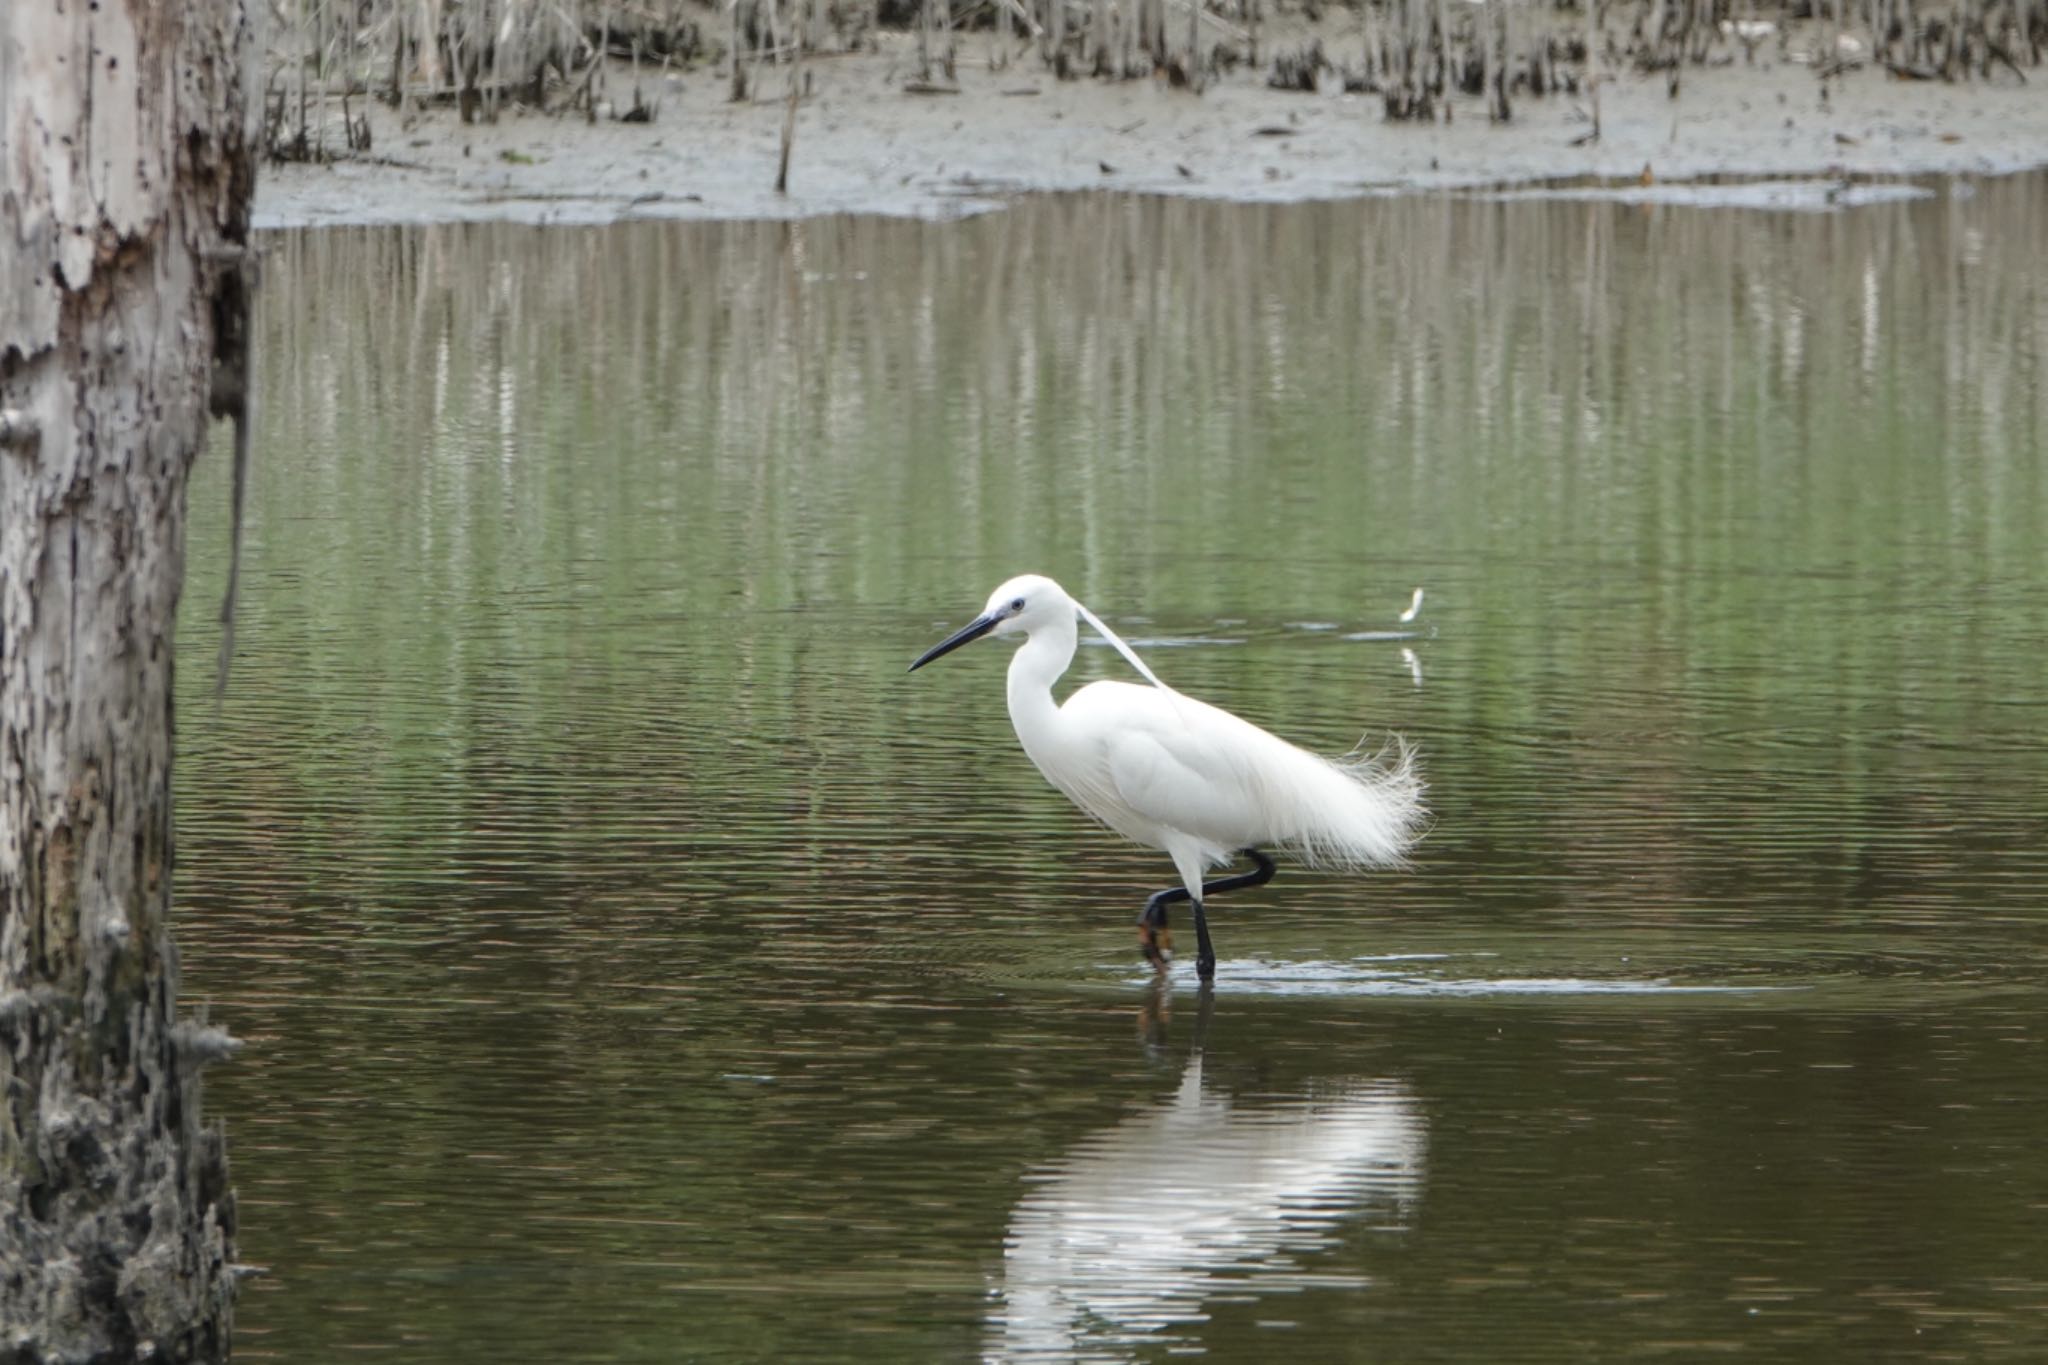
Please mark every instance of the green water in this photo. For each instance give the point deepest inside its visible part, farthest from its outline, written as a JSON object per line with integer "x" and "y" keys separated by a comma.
{"x": 639, "y": 966}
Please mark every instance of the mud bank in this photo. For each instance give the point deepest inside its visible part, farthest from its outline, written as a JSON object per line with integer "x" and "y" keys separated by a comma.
{"x": 864, "y": 145}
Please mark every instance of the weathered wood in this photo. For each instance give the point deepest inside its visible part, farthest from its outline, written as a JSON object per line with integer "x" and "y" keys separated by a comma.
{"x": 128, "y": 136}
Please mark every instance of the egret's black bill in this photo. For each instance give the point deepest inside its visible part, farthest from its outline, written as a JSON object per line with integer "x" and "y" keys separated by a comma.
{"x": 966, "y": 635}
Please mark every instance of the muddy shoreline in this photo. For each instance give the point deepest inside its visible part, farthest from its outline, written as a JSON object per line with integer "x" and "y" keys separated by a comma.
{"x": 864, "y": 145}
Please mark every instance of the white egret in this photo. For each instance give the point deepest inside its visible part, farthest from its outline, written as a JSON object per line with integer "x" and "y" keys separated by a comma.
{"x": 1179, "y": 775}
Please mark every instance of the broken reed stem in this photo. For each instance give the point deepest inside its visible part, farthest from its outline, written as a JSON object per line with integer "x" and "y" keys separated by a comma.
{"x": 796, "y": 79}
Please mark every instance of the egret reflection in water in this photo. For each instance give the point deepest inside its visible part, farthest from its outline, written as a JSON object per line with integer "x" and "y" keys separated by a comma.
{"x": 1122, "y": 1243}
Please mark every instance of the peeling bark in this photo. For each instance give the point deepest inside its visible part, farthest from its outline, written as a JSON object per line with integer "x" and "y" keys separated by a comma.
{"x": 127, "y": 140}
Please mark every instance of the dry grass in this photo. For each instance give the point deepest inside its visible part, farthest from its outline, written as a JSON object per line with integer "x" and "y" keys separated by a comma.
{"x": 564, "y": 55}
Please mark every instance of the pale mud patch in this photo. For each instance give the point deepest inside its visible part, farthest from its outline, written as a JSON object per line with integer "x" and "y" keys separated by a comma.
{"x": 865, "y": 146}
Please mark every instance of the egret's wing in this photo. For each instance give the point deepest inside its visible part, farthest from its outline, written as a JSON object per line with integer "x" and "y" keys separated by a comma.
{"x": 1159, "y": 763}
{"x": 1174, "y": 761}
{"x": 1151, "y": 780}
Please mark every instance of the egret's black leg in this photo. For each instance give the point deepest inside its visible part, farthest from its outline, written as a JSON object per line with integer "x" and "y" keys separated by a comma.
{"x": 1258, "y": 876}
{"x": 1153, "y": 934}
{"x": 1152, "y": 929}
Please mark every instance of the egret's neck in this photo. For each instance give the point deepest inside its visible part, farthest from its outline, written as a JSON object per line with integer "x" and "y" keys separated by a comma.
{"x": 1038, "y": 663}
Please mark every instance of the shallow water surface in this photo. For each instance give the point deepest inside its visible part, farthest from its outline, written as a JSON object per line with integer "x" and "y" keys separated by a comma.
{"x": 639, "y": 966}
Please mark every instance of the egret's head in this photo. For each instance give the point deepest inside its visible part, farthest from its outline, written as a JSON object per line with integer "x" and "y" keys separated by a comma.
{"x": 1025, "y": 603}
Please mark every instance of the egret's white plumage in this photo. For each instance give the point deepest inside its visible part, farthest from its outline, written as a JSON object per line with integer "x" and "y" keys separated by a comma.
{"x": 1174, "y": 773}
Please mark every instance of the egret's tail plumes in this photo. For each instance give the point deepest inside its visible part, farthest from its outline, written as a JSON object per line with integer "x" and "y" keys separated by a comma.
{"x": 1383, "y": 815}
{"x": 1361, "y": 810}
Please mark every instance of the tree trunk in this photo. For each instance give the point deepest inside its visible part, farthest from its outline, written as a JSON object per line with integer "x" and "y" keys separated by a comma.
{"x": 128, "y": 139}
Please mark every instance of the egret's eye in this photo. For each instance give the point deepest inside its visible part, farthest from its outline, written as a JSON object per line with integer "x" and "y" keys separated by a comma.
{"x": 1017, "y": 605}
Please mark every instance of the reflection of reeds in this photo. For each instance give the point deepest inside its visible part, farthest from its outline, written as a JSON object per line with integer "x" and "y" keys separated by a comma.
{"x": 556, "y": 54}
{"x": 797, "y": 362}
{"x": 501, "y": 470}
